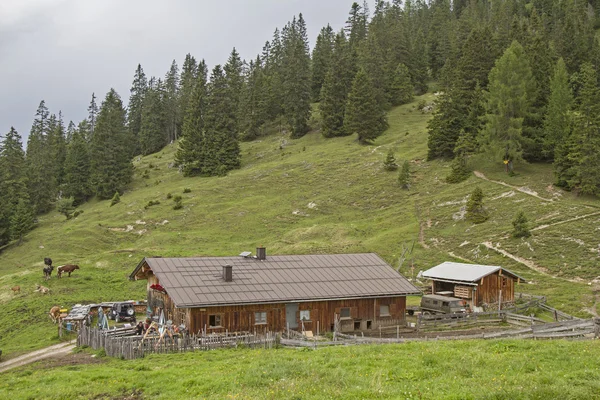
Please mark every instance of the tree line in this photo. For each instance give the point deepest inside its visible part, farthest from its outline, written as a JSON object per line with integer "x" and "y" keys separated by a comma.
{"x": 518, "y": 79}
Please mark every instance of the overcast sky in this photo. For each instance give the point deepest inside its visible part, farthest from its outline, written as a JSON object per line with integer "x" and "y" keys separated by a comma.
{"x": 63, "y": 50}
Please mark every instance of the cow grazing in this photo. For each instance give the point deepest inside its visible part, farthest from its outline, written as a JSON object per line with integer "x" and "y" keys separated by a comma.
{"x": 41, "y": 289}
{"x": 48, "y": 272}
{"x": 16, "y": 289}
{"x": 55, "y": 314}
{"x": 66, "y": 268}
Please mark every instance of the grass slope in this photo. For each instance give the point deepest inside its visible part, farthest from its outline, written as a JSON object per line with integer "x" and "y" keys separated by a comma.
{"x": 433, "y": 370}
{"x": 311, "y": 195}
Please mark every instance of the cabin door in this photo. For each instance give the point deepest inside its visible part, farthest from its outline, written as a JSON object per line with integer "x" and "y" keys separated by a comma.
{"x": 291, "y": 310}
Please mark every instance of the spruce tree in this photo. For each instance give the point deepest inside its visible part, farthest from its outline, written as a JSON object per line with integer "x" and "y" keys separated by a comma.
{"x": 65, "y": 206}
{"x": 153, "y": 133}
{"x": 334, "y": 96}
{"x": 511, "y": 86}
{"x": 253, "y": 104}
{"x": 584, "y": 151}
{"x": 190, "y": 154}
{"x": 557, "y": 122}
{"x": 296, "y": 82}
{"x": 58, "y": 149}
{"x": 92, "y": 116}
{"x": 404, "y": 175}
{"x": 363, "y": 115}
{"x": 476, "y": 211}
{"x": 520, "y": 226}
{"x": 21, "y": 221}
{"x": 171, "y": 102}
{"x": 111, "y": 167}
{"x": 77, "y": 167}
{"x": 13, "y": 184}
{"x": 321, "y": 60}
{"x": 41, "y": 179}
{"x": 187, "y": 81}
{"x": 402, "y": 89}
{"x": 138, "y": 91}
{"x": 389, "y": 163}
{"x": 235, "y": 84}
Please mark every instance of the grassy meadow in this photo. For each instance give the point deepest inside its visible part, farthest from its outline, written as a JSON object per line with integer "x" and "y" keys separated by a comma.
{"x": 310, "y": 195}
{"x": 434, "y": 370}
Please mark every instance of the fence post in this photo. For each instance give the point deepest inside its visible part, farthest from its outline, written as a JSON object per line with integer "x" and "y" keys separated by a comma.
{"x": 597, "y": 321}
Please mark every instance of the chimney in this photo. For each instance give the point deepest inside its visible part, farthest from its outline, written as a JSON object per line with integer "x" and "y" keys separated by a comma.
{"x": 227, "y": 273}
{"x": 261, "y": 253}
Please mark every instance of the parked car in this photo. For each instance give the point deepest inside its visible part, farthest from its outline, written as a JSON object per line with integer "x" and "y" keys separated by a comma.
{"x": 122, "y": 312}
{"x": 438, "y": 304}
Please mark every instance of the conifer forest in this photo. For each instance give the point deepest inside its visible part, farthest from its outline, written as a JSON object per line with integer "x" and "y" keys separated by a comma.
{"x": 515, "y": 80}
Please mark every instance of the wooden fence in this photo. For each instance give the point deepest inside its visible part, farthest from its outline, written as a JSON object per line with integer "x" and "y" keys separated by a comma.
{"x": 122, "y": 344}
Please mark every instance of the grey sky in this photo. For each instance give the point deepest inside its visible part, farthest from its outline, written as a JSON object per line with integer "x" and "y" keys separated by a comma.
{"x": 63, "y": 50}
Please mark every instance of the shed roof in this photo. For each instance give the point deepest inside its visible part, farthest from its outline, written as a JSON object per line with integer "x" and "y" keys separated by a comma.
{"x": 459, "y": 272}
{"x": 198, "y": 282}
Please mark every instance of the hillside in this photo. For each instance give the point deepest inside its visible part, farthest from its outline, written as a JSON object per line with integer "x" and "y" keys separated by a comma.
{"x": 310, "y": 195}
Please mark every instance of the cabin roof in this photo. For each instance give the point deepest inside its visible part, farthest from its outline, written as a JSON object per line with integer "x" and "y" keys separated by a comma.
{"x": 198, "y": 282}
{"x": 459, "y": 272}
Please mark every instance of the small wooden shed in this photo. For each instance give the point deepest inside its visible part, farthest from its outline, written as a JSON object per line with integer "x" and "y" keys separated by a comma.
{"x": 479, "y": 284}
{"x": 218, "y": 294}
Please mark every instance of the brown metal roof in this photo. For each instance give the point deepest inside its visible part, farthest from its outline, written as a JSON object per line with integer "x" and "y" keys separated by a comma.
{"x": 198, "y": 282}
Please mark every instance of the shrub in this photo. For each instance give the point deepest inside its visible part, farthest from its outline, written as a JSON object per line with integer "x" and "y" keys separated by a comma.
{"x": 187, "y": 190}
{"x": 421, "y": 105}
{"x": 521, "y": 226}
{"x": 476, "y": 212}
{"x": 404, "y": 176}
{"x": 169, "y": 195}
{"x": 151, "y": 203}
{"x": 65, "y": 206}
{"x": 389, "y": 163}
{"x": 116, "y": 199}
{"x": 178, "y": 205}
{"x": 77, "y": 213}
{"x": 459, "y": 171}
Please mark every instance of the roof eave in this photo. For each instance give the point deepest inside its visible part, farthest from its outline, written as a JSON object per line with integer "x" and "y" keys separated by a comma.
{"x": 136, "y": 270}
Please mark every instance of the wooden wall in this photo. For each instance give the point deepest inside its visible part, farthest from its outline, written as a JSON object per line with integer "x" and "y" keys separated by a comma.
{"x": 488, "y": 289}
{"x": 242, "y": 318}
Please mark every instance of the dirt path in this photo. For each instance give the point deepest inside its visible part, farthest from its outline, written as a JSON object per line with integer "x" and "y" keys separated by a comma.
{"x": 566, "y": 221}
{"x": 56, "y": 350}
{"x": 526, "y": 191}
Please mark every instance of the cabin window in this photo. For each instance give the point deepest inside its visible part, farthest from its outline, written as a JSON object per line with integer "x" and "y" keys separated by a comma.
{"x": 435, "y": 302}
{"x": 305, "y": 315}
{"x": 504, "y": 281}
{"x": 445, "y": 304}
{"x": 384, "y": 310}
{"x": 214, "y": 321}
{"x": 345, "y": 312}
{"x": 260, "y": 317}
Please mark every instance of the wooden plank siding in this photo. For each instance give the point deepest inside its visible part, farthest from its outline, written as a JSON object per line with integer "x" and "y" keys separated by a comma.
{"x": 242, "y": 317}
{"x": 487, "y": 290}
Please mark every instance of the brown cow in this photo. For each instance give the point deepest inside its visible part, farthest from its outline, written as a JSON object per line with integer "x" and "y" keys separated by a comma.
{"x": 66, "y": 268}
{"x": 16, "y": 289}
{"x": 55, "y": 314}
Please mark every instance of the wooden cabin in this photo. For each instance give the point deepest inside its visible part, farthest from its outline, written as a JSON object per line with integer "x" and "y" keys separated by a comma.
{"x": 260, "y": 293}
{"x": 479, "y": 284}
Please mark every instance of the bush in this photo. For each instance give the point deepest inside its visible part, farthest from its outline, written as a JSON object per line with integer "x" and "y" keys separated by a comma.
{"x": 459, "y": 171}
{"x": 151, "y": 203}
{"x": 77, "y": 213}
{"x": 404, "y": 176}
{"x": 178, "y": 205}
{"x": 521, "y": 226}
{"x": 65, "y": 206}
{"x": 169, "y": 196}
{"x": 116, "y": 199}
{"x": 187, "y": 190}
{"x": 421, "y": 105}
{"x": 476, "y": 212}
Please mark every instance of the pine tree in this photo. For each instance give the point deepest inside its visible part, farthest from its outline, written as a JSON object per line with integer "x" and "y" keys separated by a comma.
{"x": 40, "y": 167}
{"x": 12, "y": 180}
{"x": 476, "y": 211}
{"x": 77, "y": 167}
{"x": 111, "y": 167}
{"x": 509, "y": 99}
{"x": 92, "y": 117}
{"x": 70, "y": 131}
{"x": 520, "y": 226}
{"x": 253, "y": 103}
{"x": 153, "y": 133}
{"x": 296, "y": 77}
{"x": 334, "y": 94}
{"x": 116, "y": 199}
{"x": 138, "y": 91}
{"x": 404, "y": 175}
{"x": 235, "y": 84}
{"x": 58, "y": 149}
{"x": 402, "y": 89}
{"x": 190, "y": 154}
{"x": 558, "y": 120}
{"x": 389, "y": 163}
{"x": 21, "y": 221}
{"x": 356, "y": 25}
{"x": 321, "y": 60}
{"x": 363, "y": 114}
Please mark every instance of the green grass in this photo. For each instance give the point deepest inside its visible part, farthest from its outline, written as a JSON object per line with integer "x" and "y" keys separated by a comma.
{"x": 509, "y": 369}
{"x": 311, "y": 195}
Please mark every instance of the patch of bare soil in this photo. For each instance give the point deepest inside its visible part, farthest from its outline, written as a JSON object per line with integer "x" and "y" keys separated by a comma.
{"x": 68, "y": 359}
{"x": 133, "y": 394}
{"x": 566, "y": 221}
{"x": 52, "y": 351}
